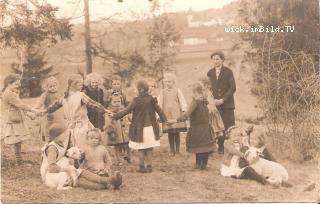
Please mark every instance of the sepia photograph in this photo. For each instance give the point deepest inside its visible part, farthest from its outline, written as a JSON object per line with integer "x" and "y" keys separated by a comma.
{"x": 160, "y": 101}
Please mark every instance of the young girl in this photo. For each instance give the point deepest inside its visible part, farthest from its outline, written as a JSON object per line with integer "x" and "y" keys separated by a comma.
{"x": 118, "y": 133}
{"x": 47, "y": 99}
{"x": 75, "y": 105}
{"x": 237, "y": 139}
{"x": 144, "y": 129}
{"x": 199, "y": 138}
{"x": 15, "y": 130}
{"x": 93, "y": 90}
{"x": 173, "y": 103}
{"x": 97, "y": 159}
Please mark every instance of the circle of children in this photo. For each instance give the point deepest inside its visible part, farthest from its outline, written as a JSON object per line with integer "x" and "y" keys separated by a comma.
{"x": 75, "y": 153}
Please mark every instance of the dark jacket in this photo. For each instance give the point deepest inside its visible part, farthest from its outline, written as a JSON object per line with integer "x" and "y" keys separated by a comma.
{"x": 223, "y": 87}
{"x": 143, "y": 108}
{"x": 95, "y": 117}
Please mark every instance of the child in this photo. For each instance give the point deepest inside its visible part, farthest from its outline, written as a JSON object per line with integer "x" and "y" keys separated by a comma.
{"x": 15, "y": 130}
{"x": 199, "y": 138}
{"x": 118, "y": 132}
{"x": 173, "y": 103}
{"x": 93, "y": 90}
{"x": 47, "y": 99}
{"x": 236, "y": 140}
{"x": 97, "y": 159}
{"x": 56, "y": 149}
{"x": 144, "y": 129}
{"x": 75, "y": 105}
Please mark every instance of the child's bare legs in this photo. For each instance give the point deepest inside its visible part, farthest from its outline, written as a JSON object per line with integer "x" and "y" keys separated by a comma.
{"x": 128, "y": 153}
{"x": 117, "y": 151}
{"x": 149, "y": 159}
{"x": 142, "y": 158}
{"x": 17, "y": 152}
{"x": 89, "y": 179}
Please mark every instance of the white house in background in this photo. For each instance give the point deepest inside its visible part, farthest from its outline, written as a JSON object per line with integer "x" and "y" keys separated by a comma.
{"x": 195, "y": 24}
{"x": 194, "y": 41}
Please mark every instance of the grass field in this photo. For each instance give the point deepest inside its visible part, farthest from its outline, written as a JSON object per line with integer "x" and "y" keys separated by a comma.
{"x": 173, "y": 179}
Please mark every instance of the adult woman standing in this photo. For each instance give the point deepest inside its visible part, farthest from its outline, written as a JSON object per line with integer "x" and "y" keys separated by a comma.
{"x": 223, "y": 87}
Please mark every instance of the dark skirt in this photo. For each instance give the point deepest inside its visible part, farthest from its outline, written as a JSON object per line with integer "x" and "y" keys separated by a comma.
{"x": 199, "y": 139}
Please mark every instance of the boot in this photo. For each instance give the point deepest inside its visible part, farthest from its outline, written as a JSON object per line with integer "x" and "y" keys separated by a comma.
{"x": 149, "y": 169}
{"x": 142, "y": 169}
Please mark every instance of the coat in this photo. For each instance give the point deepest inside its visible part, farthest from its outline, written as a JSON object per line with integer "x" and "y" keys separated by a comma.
{"x": 95, "y": 117}
{"x": 144, "y": 108}
{"x": 200, "y": 134}
{"x": 223, "y": 86}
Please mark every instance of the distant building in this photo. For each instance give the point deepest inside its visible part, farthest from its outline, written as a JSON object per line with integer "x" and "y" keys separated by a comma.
{"x": 194, "y": 41}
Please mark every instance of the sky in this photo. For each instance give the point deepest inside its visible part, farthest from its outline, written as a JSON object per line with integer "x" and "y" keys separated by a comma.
{"x": 129, "y": 9}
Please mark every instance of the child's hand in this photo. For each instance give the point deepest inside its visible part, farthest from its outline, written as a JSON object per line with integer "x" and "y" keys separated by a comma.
{"x": 109, "y": 113}
{"x": 180, "y": 119}
{"x": 219, "y": 102}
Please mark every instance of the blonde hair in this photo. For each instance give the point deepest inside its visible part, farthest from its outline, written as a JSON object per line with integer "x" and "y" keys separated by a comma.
{"x": 234, "y": 130}
{"x": 92, "y": 76}
{"x": 94, "y": 130}
{"x": 49, "y": 81}
{"x": 72, "y": 78}
{"x": 170, "y": 76}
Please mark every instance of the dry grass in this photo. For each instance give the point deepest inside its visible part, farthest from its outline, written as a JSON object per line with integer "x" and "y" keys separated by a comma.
{"x": 173, "y": 180}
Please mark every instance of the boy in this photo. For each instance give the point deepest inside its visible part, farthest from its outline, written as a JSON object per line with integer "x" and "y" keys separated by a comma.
{"x": 97, "y": 158}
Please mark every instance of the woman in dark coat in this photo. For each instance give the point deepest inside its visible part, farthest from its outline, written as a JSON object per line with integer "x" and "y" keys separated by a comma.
{"x": 144, "y": 129}
{"x": 223, "y": 87}
{"x": 95, "y": 93}
{"x": 199, "y": 139}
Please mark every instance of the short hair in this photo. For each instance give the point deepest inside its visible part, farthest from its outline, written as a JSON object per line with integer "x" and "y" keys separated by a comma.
{"x": 115, "y": 78}
{"x": 197, "y": 87}
{"x": 142, "y": 85}
{"x": 92, "y": 76}
{"x": 94, "y": 130}
{"x": 219, "y": 53}
{"x": 169, "y": 75}
{"x": 56, "y": 129}
{"x": 49, "y": 81}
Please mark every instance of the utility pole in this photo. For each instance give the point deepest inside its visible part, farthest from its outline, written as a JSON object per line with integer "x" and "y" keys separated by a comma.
{"x": 87, "y": 37}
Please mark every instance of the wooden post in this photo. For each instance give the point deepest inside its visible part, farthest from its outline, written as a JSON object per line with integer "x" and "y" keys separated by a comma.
{"x": 87, "y": 37}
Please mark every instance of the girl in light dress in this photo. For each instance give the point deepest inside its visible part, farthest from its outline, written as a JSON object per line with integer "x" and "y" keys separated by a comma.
{"x": 49, "y": 97}
{"x": 173, "y": 103}
{"x": 75, "y": 105}
{"x": 14, "y": 128}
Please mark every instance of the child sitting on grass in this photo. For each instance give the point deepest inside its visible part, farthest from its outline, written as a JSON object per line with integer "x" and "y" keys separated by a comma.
{"x": 97, "y": 159}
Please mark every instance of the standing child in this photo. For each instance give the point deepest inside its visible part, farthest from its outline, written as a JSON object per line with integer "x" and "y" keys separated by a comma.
{"x": 118, "y": 130}
{"x": 199, "y": 138}
{"x": 173, "y": 103}
{"x": 47, "y": 99}
{"x": 15, "y": 130}
{"x": 92, "y": 89}
{"x": 144, "y": 128}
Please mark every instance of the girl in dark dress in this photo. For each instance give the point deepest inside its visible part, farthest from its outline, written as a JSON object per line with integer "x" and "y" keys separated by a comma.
{"x": 92, "y": 90}
{"x": 199, "y": 139}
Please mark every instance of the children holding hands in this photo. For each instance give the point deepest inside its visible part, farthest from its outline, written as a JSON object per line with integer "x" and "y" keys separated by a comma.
{"x": 173, "y": 103}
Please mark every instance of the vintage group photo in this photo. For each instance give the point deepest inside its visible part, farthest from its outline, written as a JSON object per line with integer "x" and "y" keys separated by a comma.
{"x": 159, "y": 101}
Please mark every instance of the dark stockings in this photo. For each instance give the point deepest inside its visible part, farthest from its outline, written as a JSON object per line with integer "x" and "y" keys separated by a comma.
{"x": 174, "y": 141}
{"x": 202, "y": 160}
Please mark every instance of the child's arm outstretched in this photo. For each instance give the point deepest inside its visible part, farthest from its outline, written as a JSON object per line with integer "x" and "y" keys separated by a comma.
{"x": 187, "y": 114}
{"x": 126, "y": 111}
{"x": 159, "y": 111}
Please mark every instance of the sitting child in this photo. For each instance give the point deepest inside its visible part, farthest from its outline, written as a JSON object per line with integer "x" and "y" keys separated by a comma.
{"x": 97, "y": 159}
